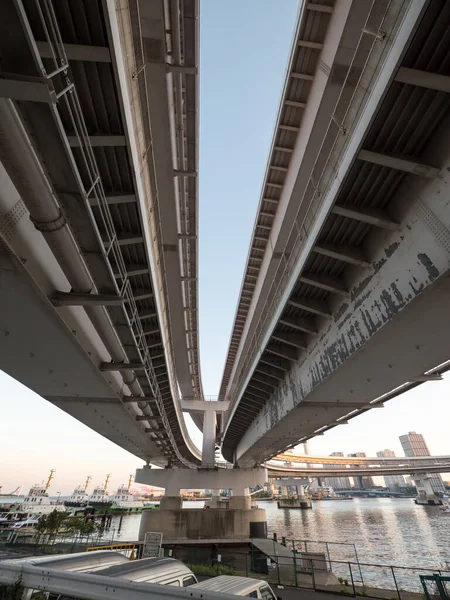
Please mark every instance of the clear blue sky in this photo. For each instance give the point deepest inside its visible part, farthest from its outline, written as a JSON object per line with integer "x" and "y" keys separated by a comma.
{"x": 244, "y": 50}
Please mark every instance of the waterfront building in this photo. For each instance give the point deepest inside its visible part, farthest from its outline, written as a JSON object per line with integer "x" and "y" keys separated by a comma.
{"x": 414, "y": 444}
{"x": 362, "y": 483}
{"x": 393, "y": 482}
{"x": 337, "y": 483}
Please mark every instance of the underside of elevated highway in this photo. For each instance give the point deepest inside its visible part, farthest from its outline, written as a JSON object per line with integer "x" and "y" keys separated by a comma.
{"x": 98, "y": 214}
{"x": 345, "y": 297}
{"x": 344, "y": 301}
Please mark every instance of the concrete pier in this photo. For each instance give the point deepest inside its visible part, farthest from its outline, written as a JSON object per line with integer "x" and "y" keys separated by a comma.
{"x": 302, "y": 502}
{"x": 425, "y": 492}
{"x": 212, "y": 522}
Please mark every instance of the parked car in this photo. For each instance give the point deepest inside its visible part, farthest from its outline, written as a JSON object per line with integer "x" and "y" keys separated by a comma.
{"x": 239, "y": 586}
{"x": 166, "y": 571}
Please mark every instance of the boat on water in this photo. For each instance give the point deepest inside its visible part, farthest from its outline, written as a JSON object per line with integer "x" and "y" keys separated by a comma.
{"x": 5, "y": 520}
{"x": 36, "y": 502}
{"x": 124, "y": 502}
{"x": 337, "y": 497}
{"x": 99, "y": 498}
{"x": 445, "y": 508}
{"x": 120, "y": 502}
{"x": 29, "y": 524}
{"x": 79, "y": 497}
{"x": 326, "y": 492}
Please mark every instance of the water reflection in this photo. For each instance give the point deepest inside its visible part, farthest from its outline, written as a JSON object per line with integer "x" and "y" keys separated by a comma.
{"x": 384, "y": 530}
{"x": 287, "y": 521}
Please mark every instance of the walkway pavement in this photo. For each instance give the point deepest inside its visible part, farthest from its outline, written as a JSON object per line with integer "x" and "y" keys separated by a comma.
{"x": 297, "y": 594}
{"x": 272, "y": 548}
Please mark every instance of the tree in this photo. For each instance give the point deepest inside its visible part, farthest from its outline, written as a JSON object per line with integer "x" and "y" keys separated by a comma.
{"x": 52, "y": 522}
{"x": 81, "y": 526}
{"x": 263, "y": 494}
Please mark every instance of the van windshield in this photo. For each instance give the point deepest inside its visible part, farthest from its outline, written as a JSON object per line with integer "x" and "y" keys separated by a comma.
{"x": 267, "y": 594}
{"x": 190, "y": 580}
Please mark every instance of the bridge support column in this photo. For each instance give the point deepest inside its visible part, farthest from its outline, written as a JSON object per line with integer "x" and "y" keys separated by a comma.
{"x": 240, "y": 502}
{"x": 172, "y": 499}
{"x": 425, "y": 492}
{"x": 171, "y": 503}
{"x": 209, "y": 436}
{"x": 212, "y": 522}
{"x": 303, "y": 499}
{"x": 209, "y": 411}
{"x": 216, "y": 500}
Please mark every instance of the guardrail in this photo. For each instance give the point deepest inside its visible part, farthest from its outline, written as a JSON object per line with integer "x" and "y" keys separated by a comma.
{"x": 92, "y": 587}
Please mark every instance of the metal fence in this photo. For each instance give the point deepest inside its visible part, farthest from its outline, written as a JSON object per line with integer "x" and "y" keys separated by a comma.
{"x": 131, "y": 550}
{"x": 104, "y": 534}
{"x": 309, "y": 564}
{"x": 342, "y": 559}
{"x": 37, "y": 543}
{"x": 310, "y": 569}
{"x": 436, "y": 587}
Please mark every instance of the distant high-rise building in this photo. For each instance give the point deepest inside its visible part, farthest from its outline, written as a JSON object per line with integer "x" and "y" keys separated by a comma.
{"x": 414, "y": 444}
{"x": 337, "y": 483}
{"x": 386, "y": 453}
{"x": 391, "y": 481}
{"x": 363, "y": 483}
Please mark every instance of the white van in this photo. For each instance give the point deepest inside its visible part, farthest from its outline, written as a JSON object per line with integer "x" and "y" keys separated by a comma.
{"x": 239, "y": 586}
{"x": 165, "y": 571}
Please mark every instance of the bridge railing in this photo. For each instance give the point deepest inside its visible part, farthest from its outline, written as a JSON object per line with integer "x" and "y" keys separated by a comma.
{"x": 318, "y": 185}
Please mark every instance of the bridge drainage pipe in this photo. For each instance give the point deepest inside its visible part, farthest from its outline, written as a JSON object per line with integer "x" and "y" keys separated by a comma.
{"x": 23, "y": 166}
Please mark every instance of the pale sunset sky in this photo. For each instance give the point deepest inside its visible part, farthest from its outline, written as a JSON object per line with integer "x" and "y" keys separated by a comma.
{"x": 244, "y": 52}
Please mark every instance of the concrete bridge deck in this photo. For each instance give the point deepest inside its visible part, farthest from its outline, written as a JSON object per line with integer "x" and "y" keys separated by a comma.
{"x": 358, "y": 243}
{"x": 98, "y": 224}
{"x": 359, "y": 460}
{"x": 354, "y": 472}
